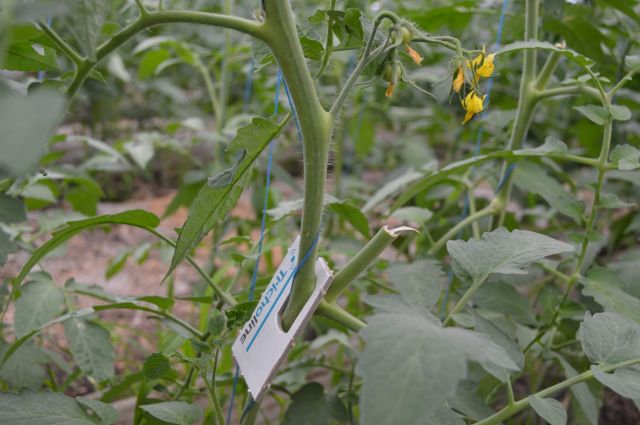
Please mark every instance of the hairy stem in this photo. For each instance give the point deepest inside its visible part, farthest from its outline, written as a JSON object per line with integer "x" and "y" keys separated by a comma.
{"x": 472, "y": 218}
{"x": 363, "y": 259}
{"x": 281, "y": 35}
{"x": 338, "y": 315}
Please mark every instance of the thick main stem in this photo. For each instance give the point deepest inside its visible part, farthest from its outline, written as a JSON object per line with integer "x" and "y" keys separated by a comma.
{"x": 282, "y": 37}
{"x": 526, "y": 102}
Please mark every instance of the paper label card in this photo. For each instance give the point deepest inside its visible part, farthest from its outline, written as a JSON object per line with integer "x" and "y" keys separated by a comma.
{"x": 262, "y": 345}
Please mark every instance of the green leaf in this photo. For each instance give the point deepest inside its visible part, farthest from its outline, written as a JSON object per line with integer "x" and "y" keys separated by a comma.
{"x": 28, "y": 56}
{"x": 220, "y": 195}
{"x": 42, "y": 408}
{"x": 107, "y": 413}
{"x": 626, "y": 157}
{"x": 87, "y": 19}
{"x": 390, "y": 187}
{"x": 429, "y": 178}
{"x": 406, "y": 388}
{"x": 137, "y": 218}
{"x": 501, "y": 252}
{"x": 27, "y": 122}
{"x": 308, "y": 406}
{"x": 40, "y": 302}
{"x": 312, "y": 49}
{"x": 533, "y": 178}
{"x": 503, "y": 298}
{"x": 611, "y": 200}
{"x": 25, "y": 367}
{"x": 175, "y": 412}
{"x": 156, "y": 366}
{"x": 419, "y": 283}
{"x": 363, "y": 132}
{"x": 595, "y": 114}
{"x": 353, "y": 215}
{"x": 581, "y": 392}
{"x": 632, "y": 63}
{"x": 572, "y": 55}
{"x": 608, "y": 338}
{"x": 550, "y": 145}
{"x": 625, "y": 381}
{"x": 608, "y": 291}
{"x": 497, "y": 336}
{"x": 549, "y": 409}
{"x": 416, "y": 214}
{"x": 620, "y": 112}
{"x": 217, "y": 323}
{"x": 117, "y": 263}
{"x": 91, "y": 347}
{"x": 12, "y": 210}
{"x": 151, "y": 60}
{"x": 347, "y": 27}
{"x": 240, "y": 313}
{"x": 7, "y": 246}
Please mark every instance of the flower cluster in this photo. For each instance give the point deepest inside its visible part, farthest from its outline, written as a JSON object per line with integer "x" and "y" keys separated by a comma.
{"x": 470, "y": 72}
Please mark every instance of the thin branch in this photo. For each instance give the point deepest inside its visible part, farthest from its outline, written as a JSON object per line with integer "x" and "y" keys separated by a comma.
{"x": 62, "y": 45}
{"x": 520, "y": 405}
{"x": 151, "y": 19}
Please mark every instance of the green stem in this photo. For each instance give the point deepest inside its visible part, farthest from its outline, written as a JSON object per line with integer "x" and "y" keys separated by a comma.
{"x": 548, "y": 69}
{"x": 226, "y": 297}
{"x": 362, "y": 63}
{"x": 214, "y": 399}
{"x": 281, "y": 35}
{"x": 471, "y": 218}
{"x": 464, "y": 300}
{"x": 328, "y": 45}
{"x": 152, "y": 19}
{"x": 337, "y": 314}
{"x": 208, "y": 82}
{"x": 362, "y": 260}
{"x": 567, "y": 91}
{"x": 224, "y": 72}
{"x": 526, "y": 103}
{"x": 520, "y": 405}
{"x": 62, "y": 45}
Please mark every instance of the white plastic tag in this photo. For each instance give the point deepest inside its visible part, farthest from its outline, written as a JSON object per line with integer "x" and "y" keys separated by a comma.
{"x": 262, "y": 345}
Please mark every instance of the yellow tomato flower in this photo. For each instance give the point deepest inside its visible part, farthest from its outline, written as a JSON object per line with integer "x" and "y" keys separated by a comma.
{"x": 458, "y": 80}
{"x": 414, "y": 55}
{"x": 473, "y": 104}
{"x": 482, "y": 64}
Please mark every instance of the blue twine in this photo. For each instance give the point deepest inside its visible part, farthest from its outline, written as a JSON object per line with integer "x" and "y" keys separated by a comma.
{"x": 293, "y": 111}
{"x": 263, "y": 225}
{"x": 476, "y": 152}
{"x": 254, "y": 277}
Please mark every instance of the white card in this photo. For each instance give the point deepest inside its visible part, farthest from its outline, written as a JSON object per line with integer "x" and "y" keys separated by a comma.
{"x": 262, "y": 345}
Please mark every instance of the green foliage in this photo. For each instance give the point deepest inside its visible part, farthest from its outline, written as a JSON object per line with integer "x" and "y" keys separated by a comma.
{"x": 501, "y": 252}
{"x": 174, "y": 412}
{"x": 527, "y": 316}
{"x": 220, "y": 194}
{"x": 48, "y": 408}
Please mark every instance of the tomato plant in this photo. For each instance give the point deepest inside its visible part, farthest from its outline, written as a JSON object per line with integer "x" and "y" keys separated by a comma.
{"x": 537, "y": 317}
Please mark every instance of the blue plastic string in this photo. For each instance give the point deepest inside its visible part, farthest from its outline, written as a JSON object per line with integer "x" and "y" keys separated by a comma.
{"x": 293, "y": 110}
{"x": 476, "y": 152}
{"x": 254, "y": 277}
{"x": 263, "y": 224}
